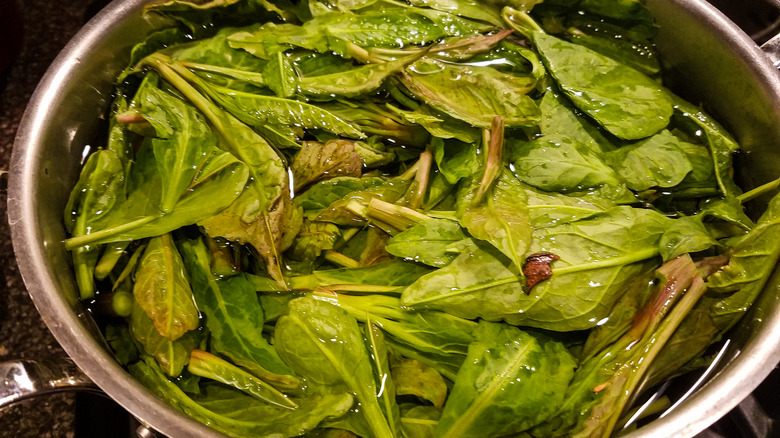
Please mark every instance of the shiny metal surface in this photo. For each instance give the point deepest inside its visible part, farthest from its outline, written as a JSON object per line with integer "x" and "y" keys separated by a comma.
{"x": 23, "y": 379}
{"x": 709, "y": 60}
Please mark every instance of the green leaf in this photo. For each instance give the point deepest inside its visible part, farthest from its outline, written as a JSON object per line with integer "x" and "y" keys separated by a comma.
{"x": 466, "y": 8}
{"x": 624, "y": 101}
{"x": 419, "y": 421}
{"x": 354, "y": 82}
{"x": 220, "y": 180}
{"x": 234, "y": 318}
{"x": 629, "y": 12}
{"x": 501, "y": 218}
{"x": 509, "y": 382}
{"x": 720, "y": 143}
{"x": 101, "y": 184}
{"x": 474, "y": 94}
{"x": 321, "y": 195}
{"x": 455, "y": 159}
{"x": 654, "y": 162}
{"x": 417, "y": 379}
{"x": 438, "y": 124}
{"x": 390, "y": 273}
{"x": 121, "y": 341}
{"x": 752, "y": 258}
{"x": 183, "y": 141}
{"x": 317, "y": 161}
{"x": 172, "y": 356}
{"x": 227, "y": 66}
{"x": 599, "y": 256}
{"x": 685, "y": 235}
{"x": 558, "y": 116}
{"x": 639, "y": 56}
{"x": 550, "y": 208}
{"x": 336, "y": 31}
{"x": 313, "y": 238}
{"x": 156, "y": 41}
{"x": 434, "y": 242}
{"x": 235, "y": 413}
{"x": 559, "y": 163}
{"x": 377, "y": 350}
{"x": 212, "y": 367}
{"x": 373, "y": 153}
{"x": 279, "y": 76}
{"x": 728, "y": 209}
{"x": 258, "y": 110}
{"x": 162, "y": 289}
{"x": 205, "y": 19}
{"x": 324, "y": 343}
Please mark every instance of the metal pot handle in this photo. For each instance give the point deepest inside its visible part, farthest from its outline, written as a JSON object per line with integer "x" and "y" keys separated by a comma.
{"x": 772, "y": 49}
{"x": 23, "y": 379}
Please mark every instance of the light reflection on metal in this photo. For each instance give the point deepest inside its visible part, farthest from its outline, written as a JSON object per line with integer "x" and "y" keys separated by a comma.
{"x": 702, "y": 378}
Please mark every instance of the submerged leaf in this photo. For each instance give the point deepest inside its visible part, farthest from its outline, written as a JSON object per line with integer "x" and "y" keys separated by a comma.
{"x": 163, "y": 291}
{"x": 234, "y": 318}
{"x": 415, "y": 378}
{"x": 317, "y": 161}
{"x": 510, "y": 382}
{"x": 172, "y": 356}
{"x": 324, "y": 343}
{"x": 473, "y": 94}
{"x": 233, "y": 412}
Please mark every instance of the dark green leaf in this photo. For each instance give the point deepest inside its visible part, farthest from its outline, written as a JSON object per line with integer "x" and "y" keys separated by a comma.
{"x": 685, "y": 235}
{"x": 558, "y": 163}
{"x": 624, "y": 101}
{"x": 324, "y": 343}
{"x": 510, "y": 382}
{"x": 208, "y": 366}
{"x": 434, "y": 242}
{"x": 654, "y": 162}
{"x": 474, "y": 94}
{"x": 235, "y": 413}
{"x": 455, "y": 159}
{"x": 234, "y": 318}
{"x": 100, "y": 185}
{"x": 722, "y": 146}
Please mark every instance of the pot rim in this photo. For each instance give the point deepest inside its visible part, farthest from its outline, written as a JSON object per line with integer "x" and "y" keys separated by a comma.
{"x": 724, "y": 391}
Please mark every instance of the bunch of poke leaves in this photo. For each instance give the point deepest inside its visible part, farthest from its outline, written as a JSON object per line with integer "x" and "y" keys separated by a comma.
{"x": 422, "y": 218}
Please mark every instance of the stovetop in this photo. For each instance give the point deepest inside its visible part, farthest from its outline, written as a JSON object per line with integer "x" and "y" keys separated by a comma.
{"x": 47, "y": 26}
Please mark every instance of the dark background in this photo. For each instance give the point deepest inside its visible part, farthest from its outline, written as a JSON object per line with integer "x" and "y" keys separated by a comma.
{"x": 31, "y": 34}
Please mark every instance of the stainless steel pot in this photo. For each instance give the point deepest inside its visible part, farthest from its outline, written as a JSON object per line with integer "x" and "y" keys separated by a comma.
{"x": 708, "y": 58}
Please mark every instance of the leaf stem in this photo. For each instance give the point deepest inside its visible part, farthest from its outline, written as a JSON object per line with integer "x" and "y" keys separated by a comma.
{"x": 105, "y": 235}
{"x": 758, "y": 191}
{"x": 419, "y": 186}
{"x": 398, "y": 217}
{"x": 494, "y": 143}
{"x": 340, "y": 259}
